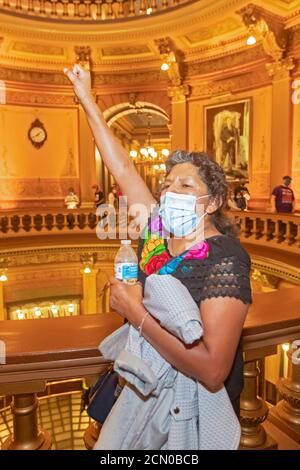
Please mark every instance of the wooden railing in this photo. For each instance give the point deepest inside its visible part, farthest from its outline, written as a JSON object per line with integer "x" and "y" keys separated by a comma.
{"x": 88, "y": 10}
{"x": 281, "y": 231}
{"x": 69, "y": 350}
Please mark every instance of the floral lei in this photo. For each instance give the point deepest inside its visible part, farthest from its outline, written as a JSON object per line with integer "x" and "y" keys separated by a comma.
{"x": 155, "y": 258}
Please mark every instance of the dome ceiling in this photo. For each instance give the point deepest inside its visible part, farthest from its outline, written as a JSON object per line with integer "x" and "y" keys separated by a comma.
{"x": 201, "y": 30}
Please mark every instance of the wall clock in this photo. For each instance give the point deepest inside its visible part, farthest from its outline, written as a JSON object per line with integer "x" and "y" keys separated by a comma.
{"x": 37, "y": 134}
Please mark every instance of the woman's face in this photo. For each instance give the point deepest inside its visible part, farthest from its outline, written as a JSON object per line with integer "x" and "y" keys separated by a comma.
{"x": 184, "y": 179}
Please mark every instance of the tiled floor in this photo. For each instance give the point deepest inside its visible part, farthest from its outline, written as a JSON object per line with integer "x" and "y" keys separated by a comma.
{"x": 60, "y": 416}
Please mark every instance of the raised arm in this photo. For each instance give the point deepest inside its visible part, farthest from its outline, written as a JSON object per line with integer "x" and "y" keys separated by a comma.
{"x": 114, "y": 155}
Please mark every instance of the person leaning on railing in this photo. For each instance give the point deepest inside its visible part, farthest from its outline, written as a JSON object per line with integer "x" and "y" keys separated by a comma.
{"x": 215, "y": 268}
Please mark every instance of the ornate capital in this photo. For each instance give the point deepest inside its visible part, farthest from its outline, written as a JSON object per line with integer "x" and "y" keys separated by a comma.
{"x": 280, "y": 70}
{"x": 83, "y": 56}
{"x": 179, "y": 93}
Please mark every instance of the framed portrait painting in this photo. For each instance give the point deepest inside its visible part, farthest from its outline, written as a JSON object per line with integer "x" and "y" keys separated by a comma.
{"x": 227, "y": 136}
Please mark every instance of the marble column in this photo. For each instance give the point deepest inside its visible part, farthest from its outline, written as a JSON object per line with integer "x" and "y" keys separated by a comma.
{"x": 87, "y": 162}
{"x": 281, "y": 145}
{"x": 2, "y": 309}
{"x": 89, "y": 287}
{"x": 178, "y": 95}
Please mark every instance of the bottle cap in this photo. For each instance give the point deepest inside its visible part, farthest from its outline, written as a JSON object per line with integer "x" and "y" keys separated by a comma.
{"x": 125, "y": 242}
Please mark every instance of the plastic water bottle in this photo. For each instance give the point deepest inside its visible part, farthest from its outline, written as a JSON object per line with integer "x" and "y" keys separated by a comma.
{"x": 126, "y": 263}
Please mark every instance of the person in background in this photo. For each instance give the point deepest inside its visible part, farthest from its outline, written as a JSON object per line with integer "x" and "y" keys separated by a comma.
{"x": 283, "y": 198}
{"x": 71, "y": 200}
{"x": 99, "y": 195}
{"x": 231, "y": 201}
{"x": 241, "y": 195}
{"x": 112, "y": 197}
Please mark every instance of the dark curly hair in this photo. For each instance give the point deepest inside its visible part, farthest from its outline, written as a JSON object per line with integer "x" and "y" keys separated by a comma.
{"x": 214, "y": 177}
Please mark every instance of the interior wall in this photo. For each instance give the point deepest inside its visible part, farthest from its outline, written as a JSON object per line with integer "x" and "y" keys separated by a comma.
{"x": 296, "y": 144}
{"x": 31, "y": 176}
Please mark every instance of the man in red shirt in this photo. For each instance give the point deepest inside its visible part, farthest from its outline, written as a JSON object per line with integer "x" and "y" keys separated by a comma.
{"x": 283, "y": 199}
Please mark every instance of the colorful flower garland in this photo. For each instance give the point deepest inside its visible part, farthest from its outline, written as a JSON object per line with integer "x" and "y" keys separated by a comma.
{"x": 155, "y": 258}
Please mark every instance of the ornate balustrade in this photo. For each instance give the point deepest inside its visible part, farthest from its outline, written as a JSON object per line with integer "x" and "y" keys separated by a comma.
{"x": 281, "y": 231}
{"x": 24, "y": 223}
{"x": 69, "y": 350}
{"x": 87, "y": 10}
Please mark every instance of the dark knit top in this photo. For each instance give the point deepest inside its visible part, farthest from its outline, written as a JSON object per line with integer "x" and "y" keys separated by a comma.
{"x": 224, "y": 273}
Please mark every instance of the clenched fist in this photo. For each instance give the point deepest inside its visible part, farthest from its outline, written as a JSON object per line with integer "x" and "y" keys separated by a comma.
{"x": 81, "y": 81}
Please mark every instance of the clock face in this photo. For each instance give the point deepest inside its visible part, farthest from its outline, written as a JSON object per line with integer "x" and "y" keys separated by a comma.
{"x": 37, "y": 134}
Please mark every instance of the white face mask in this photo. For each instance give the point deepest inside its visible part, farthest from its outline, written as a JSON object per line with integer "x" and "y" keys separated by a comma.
{"x": 178, "y": 213}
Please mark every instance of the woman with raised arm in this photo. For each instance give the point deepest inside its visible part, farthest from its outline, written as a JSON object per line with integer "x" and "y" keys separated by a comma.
{"x": 201, "y": 249}
{"x": 113, "y": 154}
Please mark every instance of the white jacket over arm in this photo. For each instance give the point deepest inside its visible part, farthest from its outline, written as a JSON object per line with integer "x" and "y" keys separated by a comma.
{"x": 161, "y": 408}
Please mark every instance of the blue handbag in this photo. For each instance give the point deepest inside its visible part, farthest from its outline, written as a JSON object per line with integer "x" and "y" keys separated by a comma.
{"x": 103, "y": 396}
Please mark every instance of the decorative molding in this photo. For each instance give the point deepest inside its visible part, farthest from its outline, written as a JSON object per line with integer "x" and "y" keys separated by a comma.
{"x": 53, "y": 78}
{"x": 62, "y": 254}
{"x": 39, "y": 98}
{"x": 30, "y": 76}
{"x": 34, "y": 48}
{"x": 128, "y": 78}
{"x": 255, "y": 79}
{"x": 142, "y": 50}
{"x": 207, "y": 33}
{"x": 60, "y": 273}
{"x": 251, "y": 55}
{"x": 288, "y": 273}
{"x": 23, "y": 188}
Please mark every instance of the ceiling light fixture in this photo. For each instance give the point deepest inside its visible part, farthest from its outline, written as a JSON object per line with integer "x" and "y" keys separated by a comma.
{"x": 251, "y": 41}
{"x": 3, "y": 277}
{"x": 148, "y": 153}
{"x": 54, "y": 309}
{"x": 37, "y": 312}
{"x": 164, "y": 67}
